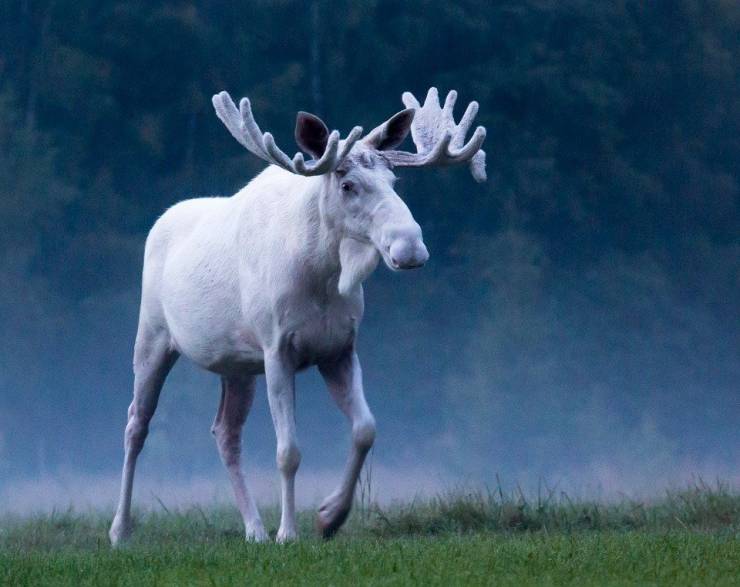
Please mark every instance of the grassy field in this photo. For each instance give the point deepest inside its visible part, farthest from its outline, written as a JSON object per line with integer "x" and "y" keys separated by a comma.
{"x": 690, "y": 537}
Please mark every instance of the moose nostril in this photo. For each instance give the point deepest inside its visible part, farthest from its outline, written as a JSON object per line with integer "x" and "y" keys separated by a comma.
{"x": 407, "y": 254}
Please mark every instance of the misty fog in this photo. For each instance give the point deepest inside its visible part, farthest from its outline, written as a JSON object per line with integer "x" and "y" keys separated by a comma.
{"x": 578, "y": 323}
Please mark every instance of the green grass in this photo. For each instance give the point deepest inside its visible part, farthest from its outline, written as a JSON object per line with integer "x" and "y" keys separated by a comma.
{"x": 690, "y": 537}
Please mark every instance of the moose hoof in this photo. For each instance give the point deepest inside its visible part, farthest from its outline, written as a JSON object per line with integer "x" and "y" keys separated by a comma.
{"x": 257, "y": 535}
{"x": 286, "y": 536}
{"x": 330, "y": 518}
{"x": 119, "y": 533}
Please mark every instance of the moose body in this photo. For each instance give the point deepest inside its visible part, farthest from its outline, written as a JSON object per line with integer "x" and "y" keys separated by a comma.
{"x": 269, "y": 281}
{"x": 232, "y": 283}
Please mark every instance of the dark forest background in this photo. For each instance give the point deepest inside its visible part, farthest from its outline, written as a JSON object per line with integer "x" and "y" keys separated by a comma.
{"x": 580, "y": 316}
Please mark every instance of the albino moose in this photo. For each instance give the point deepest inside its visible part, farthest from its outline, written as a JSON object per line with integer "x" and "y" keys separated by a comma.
{"x": 270, "y": 281}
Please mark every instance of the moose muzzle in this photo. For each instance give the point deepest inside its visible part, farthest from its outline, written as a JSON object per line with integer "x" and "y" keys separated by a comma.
{"x": 408, "y": 252}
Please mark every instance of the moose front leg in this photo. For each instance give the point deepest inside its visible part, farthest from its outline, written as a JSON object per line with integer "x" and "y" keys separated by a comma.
{"x": 280, "y": 377}
{"x": 344, "y": 380}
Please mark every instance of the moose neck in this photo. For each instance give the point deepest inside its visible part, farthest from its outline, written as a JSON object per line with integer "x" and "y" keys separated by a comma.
{"x": 320, "y": 232}
{"x": 329, "y": 226}
{"x": 339, "y": 258}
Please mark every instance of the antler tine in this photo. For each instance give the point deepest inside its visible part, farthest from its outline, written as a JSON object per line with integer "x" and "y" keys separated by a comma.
{"x": 353, "y": 136}
{"x": 243, "y": 127}
{"x": 438, "y": 140}
{"x": 265, "y": 142}
{"x": 478, "y": 166}
{"x": 471, "y": 148}
{"x": 450, "y": 103}
{"x": 467, "y": 119}
{"x": 410, "y": 101}
{"x": 432, "y": 98}
{"x": 326, "y": 163}
{"x": 228, "y": 114}
{"x": 276, "y": 155}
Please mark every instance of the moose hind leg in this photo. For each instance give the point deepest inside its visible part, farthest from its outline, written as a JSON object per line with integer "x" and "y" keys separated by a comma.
{"x": 153, "y": 359}
{"x": 344, "y": 380}
{"x": 237, "y": 395}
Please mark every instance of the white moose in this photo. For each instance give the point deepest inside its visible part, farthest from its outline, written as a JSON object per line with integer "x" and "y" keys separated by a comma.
{"x": 270, "y": 281}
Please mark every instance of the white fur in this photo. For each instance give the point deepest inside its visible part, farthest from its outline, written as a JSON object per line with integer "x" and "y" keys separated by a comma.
{"x": 268, "y": 281}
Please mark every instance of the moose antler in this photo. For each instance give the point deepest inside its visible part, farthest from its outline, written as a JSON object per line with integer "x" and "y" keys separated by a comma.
{"x": 242, "y": 126}
{"x": 438, "y": 140}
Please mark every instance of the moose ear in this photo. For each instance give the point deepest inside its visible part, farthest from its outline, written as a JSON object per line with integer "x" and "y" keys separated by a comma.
{"x": 311, "y": 134}
{"x": 392, "y": 132}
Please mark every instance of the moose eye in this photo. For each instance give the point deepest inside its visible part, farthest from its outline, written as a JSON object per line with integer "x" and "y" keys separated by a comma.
{"x": 347, "y": 186}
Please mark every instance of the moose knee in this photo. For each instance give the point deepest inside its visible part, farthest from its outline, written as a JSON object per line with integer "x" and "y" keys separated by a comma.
{"x": 363, "y": 434}
{"x": 136, "y": 432}
{"x": 288, "y": 458}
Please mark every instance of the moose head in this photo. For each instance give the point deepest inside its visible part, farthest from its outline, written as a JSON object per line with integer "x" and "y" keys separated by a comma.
{"x": 359, "y": 195}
